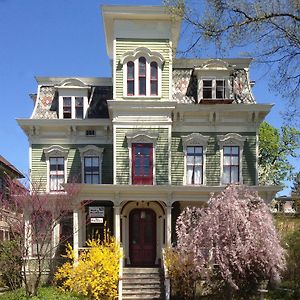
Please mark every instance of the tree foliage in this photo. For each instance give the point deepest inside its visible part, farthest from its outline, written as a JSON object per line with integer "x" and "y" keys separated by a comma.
{"x": 268, "y": 30}
{"x": 233, "y": 242}
{"x": 276, "y": 148}
{"x": 32, "y": 217}
{"x": 296, "y": 185}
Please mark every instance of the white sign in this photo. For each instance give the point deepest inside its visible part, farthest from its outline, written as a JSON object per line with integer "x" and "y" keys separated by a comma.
{"x": 97, "y": 220}
{"x": 96, "y": 211}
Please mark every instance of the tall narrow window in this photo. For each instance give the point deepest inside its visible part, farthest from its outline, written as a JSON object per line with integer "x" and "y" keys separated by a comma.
{"x": 207, "y": 89}
{"x": 130, "y": 78}
{"x": 194, "y": 165}
{"x": 67, "y": 107}
{"x": 56, "y": 176}
{"x": 220, "y": 89}
{"x": 91, "y": 170}
{"x": 142, "y": 76}
{"x": 142, "y": 163}
{"x": 78, "y": 107}
{"x": 154, "y": 79}
{"x": 231, "y": 164}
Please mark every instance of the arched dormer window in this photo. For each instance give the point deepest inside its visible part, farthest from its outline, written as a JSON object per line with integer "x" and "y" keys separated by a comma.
{"x": 142, "y": 76}
{"x": 142, "y": 73}
{"x": 130, "y": 78}
{"x": 153, "y": 79}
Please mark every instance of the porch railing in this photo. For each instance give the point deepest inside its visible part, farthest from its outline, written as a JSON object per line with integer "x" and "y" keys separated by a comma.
{"x": 167, "y": 281}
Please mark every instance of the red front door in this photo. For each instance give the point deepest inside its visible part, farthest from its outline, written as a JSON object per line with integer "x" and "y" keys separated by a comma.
{"x": 142, "y": 237}
{"x": 142, "y": 163}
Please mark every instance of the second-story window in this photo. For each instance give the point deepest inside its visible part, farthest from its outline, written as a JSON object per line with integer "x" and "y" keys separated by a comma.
{"x": 56, "y": 173}
{"x": 91, "y": 170}
{"x": 67, "y": 107}
{"x": 231, "y": 164}
{"x": 194, "y": 164}
{"x": 142, "y": 163}
{"x": 142, "y": 76}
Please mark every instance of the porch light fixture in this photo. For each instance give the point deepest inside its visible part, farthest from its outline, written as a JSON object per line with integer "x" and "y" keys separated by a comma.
{"x": 143, "y": 214}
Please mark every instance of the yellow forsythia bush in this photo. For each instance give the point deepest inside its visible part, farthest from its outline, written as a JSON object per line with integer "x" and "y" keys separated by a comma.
{"x": 97, "y": 272}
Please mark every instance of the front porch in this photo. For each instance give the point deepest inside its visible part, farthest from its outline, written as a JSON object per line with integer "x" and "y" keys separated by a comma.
{"x": 142, "y": 218}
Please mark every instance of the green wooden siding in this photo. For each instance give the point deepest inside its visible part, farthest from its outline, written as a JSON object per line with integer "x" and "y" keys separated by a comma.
{"x": 161, "y": 46}
{"x": 39, "y": 164}
{"x": 122, "y": 155}
{"x": 213, "y": 159}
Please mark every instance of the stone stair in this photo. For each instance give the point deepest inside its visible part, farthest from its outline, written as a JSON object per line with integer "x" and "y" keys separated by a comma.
{"x": 142, "y": 283}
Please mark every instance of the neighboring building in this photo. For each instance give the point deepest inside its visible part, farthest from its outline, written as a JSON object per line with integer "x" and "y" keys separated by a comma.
{"x": 286, "y": 204}
{"x": 161, "y": 134}
{"x": 7, "y": 170}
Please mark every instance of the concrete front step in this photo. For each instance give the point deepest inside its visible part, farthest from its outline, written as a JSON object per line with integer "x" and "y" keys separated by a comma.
{"x": 142, "y": 283}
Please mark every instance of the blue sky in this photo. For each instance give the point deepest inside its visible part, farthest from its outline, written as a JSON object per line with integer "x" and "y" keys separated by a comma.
{"x": 61, "y": 38}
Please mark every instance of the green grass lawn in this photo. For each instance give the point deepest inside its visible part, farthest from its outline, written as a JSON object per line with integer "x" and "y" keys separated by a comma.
{"x": 45, "y": 293}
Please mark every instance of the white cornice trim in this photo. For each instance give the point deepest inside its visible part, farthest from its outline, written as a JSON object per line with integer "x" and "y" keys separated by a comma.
{"x": 91, "y": 150}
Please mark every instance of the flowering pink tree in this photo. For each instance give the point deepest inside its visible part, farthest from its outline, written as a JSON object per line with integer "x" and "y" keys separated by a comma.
{"x": 233, "y": 242}
{"x": 32, "y": 217}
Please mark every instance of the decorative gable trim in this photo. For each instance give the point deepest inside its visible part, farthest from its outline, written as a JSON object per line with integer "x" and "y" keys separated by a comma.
{"x": 194, "y": 139}
{"x": 90, "y": 150}
{"x": 215, "y": 64}
{"x": 71, "y": 82}
{"x": 142, "y": 51}
{"x": 141, "y": 137}
{"x": 231, "y": 139}
{"x": 56, "y": 150}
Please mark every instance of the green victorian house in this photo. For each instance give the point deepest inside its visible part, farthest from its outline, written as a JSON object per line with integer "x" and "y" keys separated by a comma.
{"x": 161, "y": 134}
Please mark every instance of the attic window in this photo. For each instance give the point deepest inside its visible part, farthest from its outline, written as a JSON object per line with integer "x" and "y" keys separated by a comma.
{"x": 90, "y": 132}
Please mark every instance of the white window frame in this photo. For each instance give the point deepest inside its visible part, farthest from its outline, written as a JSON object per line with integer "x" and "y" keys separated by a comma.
{"x": 91, "y": 151}
{"x": 72, "y": 94}
{"x": 214, "y": 80}
{"x": 142, "y": 138}
{"x": 195, "y": 140}
{"x": 231, "y": 139}
{"x": 150, "y": 57}
{"x": 56, "y": 151}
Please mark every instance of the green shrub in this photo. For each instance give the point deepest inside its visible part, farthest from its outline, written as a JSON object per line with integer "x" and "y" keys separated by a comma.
{"x": 10, "y": 264}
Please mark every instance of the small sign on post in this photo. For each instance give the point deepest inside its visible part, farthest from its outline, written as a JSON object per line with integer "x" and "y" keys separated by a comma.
{"x": 97, "y": 220}
{"x": 96, "y": 211}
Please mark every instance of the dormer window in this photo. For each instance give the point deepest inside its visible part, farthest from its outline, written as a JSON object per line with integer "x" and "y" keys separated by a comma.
{"x": 142, "y": 73}
{"x": 73, "y": 99}
{"x": 213, "y": 89}
{"x": 67, "y": 107}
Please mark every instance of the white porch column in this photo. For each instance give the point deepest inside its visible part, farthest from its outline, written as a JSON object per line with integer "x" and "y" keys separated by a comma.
{"x": 75, "y": 234}
{"x": 169, "y": 225}
{"x": 117, "y": 223}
